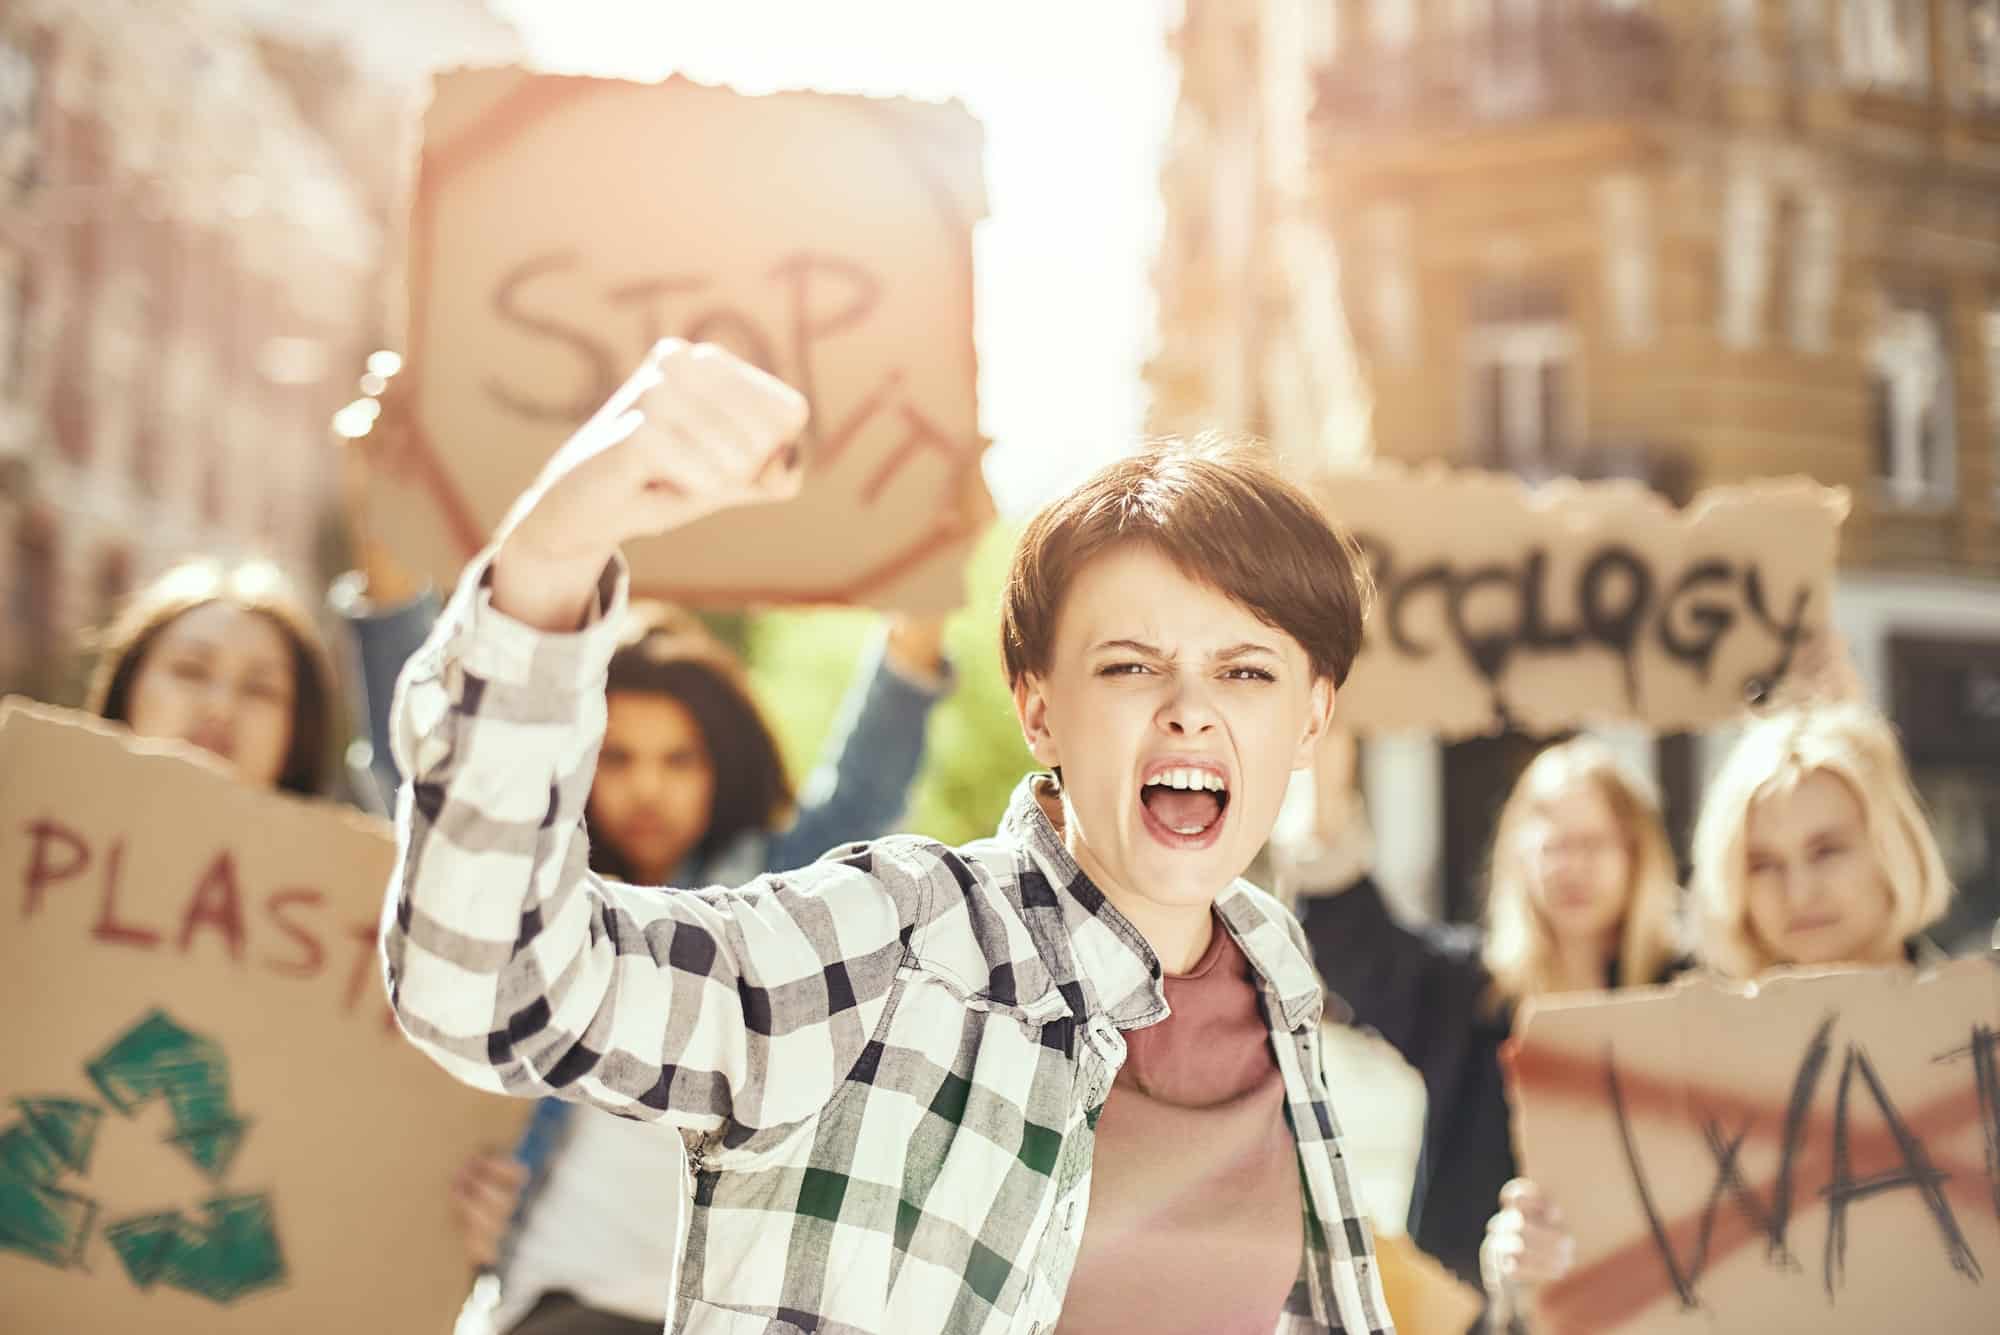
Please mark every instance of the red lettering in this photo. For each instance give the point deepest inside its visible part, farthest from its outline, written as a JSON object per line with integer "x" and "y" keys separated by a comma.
{"x": 43, "y": 871}
{"x": 918, "y": 435}
{"x": 827, "y": 448}
{"x": 651, "y": 295}
{"x": 314, "y": 954}
{"x": 218, "y": 905}
{"x": 108, "y": 927}
{"x": 808, "y": 327}
{"x": 367, "y": 934}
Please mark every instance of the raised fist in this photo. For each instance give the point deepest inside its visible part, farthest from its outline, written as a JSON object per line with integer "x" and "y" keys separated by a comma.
{"x": 693, "y": 431}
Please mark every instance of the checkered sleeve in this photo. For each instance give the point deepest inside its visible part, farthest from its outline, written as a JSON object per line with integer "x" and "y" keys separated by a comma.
{"x": 519, "y": 970}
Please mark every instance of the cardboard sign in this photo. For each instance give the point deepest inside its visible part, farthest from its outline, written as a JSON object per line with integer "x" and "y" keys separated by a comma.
{"x": 562, "y": 225}
{"x": 1549, "y": 607}
{"x": 1822, "y": 1153}
{"x": 208, "y": 1122}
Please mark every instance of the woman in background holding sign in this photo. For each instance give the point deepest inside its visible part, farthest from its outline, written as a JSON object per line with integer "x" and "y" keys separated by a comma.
{"x": 226, "y": 658}
{"x": 1582, "y": 896}
{"x": 1812, "y": 851}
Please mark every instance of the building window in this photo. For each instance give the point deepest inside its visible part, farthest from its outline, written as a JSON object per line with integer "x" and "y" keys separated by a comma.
{"x": 1982, "y": 52}
{"x": 1521, "y": 380}
{"x": 1885, "y": 44}
{"x": 1990, "y": 327}
{"x": 20, "y": 118}
{"x": 1392, "y": 23}
{"x": 1915, "y": 452}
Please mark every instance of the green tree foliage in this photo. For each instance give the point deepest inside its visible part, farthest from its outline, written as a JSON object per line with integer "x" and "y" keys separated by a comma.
{"x": 803, "y": 662}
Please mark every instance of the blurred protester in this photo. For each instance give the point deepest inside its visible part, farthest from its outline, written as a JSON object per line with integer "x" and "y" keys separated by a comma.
{"x": 224, "y": 656}
{"x": 1581, "y": 896}
{"x": 1812, "y": 850}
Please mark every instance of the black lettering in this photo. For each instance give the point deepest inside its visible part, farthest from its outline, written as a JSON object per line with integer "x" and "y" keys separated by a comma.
{"x": 1488, "y": 650}
{"x": 1613, "y": 594}
{"x": 1710, "y": 620}
{"x": 1536, "y": 633}
{"x": 1789, "y": 633}
{"x": 1917, "y": 1174}
{"x": 1395, "y": 614}
{"x": 1984, "y": 1053}
{"x": 1803, "y": 1086}
{"x": 1683, "y": 1282}
{"x": 1729, "y": 1181}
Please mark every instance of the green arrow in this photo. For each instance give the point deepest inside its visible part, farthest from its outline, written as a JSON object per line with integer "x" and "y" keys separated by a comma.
{"x": 51, "y": 1136}
{"x": 67, "y": 1126}
{"x": 234, "y": 1253}
{"x": 157, "y": 1057}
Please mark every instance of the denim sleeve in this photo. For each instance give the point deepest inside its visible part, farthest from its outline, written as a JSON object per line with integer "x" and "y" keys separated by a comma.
{"x": 862, "y": 787}
{"x": 384, "y": 639}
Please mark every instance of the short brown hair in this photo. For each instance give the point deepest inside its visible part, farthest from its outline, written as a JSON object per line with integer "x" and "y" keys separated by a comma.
{"x": 1221, "y": 513}
{"x": 666, "y": 651}
{"x": 254, "y": 586}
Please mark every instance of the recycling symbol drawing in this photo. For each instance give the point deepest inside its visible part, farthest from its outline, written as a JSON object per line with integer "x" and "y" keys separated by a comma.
{"x": 47, "y": 1213}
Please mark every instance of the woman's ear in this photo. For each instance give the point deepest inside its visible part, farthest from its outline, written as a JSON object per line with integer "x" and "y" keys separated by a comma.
{"x": 1319, "y": 718}
{"x": 1031, "y": 707}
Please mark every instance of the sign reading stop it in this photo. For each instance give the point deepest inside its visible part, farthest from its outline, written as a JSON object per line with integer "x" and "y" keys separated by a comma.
{"x": 562, "y": 225}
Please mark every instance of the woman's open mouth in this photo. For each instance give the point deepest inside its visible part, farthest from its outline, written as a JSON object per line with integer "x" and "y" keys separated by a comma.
{"x": 1182, "y": 804}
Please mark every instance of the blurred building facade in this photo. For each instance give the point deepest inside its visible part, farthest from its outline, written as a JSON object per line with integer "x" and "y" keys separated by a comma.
{"x": 198, "y": 204}
{"x": 1691, "y": 241}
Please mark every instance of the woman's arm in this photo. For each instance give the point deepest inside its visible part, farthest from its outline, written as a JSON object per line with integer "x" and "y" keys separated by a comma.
{"x": 863, "y": 787}
{"x": 384, "y": 638}
{"x": 509, "y": 961}
{"x": 519, "y": 970}
{"x": 1398, "y": 981}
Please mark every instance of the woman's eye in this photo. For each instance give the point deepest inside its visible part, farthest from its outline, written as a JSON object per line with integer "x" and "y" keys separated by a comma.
{"x": 188, "y": 669}
{"x": 1248, "y": 674}
{"x": 1122, "y": 669}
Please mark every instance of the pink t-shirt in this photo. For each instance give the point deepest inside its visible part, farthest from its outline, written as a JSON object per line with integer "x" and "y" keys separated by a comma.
{"x": 1194, "y": 1225}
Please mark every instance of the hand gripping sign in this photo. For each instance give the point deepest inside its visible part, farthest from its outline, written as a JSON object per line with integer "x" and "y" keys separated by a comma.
{"x": 1819, "y": 1153}
{"x": 563, "y": 225}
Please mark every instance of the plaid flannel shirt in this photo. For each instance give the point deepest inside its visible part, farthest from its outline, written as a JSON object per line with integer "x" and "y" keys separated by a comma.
{"x": 887, "y": 1065}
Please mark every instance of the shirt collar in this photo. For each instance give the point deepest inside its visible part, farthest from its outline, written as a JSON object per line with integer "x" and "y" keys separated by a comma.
{"x": 1117, "y": 971}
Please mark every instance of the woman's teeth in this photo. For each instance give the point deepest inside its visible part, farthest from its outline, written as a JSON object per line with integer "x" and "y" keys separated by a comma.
{"x": 1188, "y": 779}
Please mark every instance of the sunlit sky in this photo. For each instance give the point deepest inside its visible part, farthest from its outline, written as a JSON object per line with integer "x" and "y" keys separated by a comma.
{"x": 1075, "y": 97}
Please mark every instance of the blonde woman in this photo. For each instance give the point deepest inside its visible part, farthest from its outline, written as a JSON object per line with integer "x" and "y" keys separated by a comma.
{"x": 1812, "y": 850}
{"x": 1581, "y": 895}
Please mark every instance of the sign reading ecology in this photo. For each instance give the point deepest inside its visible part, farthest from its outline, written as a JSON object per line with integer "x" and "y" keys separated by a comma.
{"x": 208, "y": 1122}
{"x": 1821, "y": 1153}
{"x": 1544, "y": 607}
{"x": 562, "y": 225}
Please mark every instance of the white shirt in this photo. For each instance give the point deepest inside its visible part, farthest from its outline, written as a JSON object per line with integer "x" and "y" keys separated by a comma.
{"x": 608, "y": 1225}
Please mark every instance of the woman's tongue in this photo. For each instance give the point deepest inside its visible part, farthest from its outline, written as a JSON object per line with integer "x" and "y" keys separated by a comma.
{"x": 1182, "y": 810}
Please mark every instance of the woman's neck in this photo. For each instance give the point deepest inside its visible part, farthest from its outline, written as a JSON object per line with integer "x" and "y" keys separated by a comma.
{"x": 1180, "y": 936}
{"x": 1583, "y": 964}
{"x": 1178, "y": 933}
